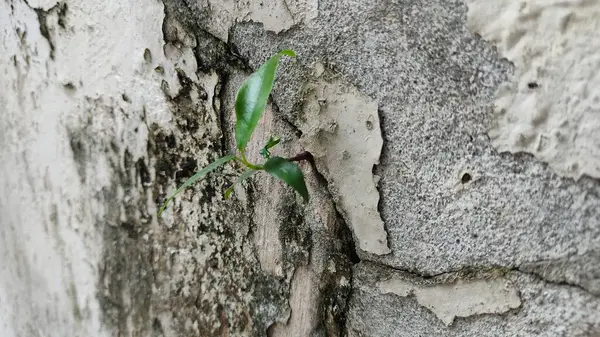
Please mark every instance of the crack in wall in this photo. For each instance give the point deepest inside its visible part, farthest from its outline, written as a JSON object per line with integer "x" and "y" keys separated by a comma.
{"x": 466, "y": 292}
{"x": 333, "y": 308}
{"x": 334, "y": 298}
{"x": 222, "y": 58}
{"x": 470, "y": 272}
{"x": 555, "y": 283}
{"x": 340, "y": 127}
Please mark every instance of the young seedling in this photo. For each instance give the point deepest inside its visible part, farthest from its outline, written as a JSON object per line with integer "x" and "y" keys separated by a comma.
{"x": 250, "y": 104}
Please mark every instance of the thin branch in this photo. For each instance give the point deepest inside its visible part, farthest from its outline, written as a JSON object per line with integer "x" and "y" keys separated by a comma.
{"x": 303, "y": 156}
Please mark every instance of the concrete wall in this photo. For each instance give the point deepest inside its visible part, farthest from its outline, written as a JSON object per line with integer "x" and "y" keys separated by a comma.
{"x": 455, "y": 189}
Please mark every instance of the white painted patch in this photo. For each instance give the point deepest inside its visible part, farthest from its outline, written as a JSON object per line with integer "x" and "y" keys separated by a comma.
{"x": 275, "y": 15}
{"x": 553, "y": 44}
{"x": 461, "y": 299}
{"x": 50, "y": 233}
{"x": 341, "y": 129}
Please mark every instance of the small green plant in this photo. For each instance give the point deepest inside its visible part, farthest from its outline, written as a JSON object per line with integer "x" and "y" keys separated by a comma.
{"x": 250, "y": 104}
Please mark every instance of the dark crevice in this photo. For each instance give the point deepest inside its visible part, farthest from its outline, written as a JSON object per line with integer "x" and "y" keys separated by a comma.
{"x": 214, "y": 55}
{"x": 277, "y": 112}
{"x": 345, "y": 234}
{"x": 335, "y": 300}
{"x": 219, "y": 94}
{"x": 211, "y": 52}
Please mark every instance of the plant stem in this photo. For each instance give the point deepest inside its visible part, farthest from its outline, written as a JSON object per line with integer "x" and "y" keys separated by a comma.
{"x": 248, "y": 164}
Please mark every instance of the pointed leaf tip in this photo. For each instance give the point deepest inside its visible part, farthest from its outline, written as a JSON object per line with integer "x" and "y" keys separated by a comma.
{"x": 289, "y": 173}
{"x": 288, "y": 52}
{"x": 252, "y": 96}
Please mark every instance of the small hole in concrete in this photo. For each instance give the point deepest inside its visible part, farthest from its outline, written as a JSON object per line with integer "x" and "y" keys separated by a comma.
{"x": 465, "y": 178}
{"x": 532, "y": 85}
{"x": 69, "y": 86}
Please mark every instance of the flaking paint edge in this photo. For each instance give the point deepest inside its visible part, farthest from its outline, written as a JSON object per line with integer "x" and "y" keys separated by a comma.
{"x": 340, "y": 127}
{"x": 550, "y": 107}
{"x": 460, "y": 299}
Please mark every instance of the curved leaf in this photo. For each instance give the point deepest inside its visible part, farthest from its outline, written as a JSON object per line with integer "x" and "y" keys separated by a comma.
{"x": 288, "y": 172}
{"x": 251, "y": 99}
{"x": 247, "y": 174}
{"x": 210, "y": 167}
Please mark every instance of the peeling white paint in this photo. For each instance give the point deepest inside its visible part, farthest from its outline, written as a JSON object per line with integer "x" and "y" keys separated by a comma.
{"x": 275, "y": 15}
{"x": 50, "y": 240}
{"x": 461, "y": 299}
{"x": 340, "y": 127}
{"x": 551, "y": 107}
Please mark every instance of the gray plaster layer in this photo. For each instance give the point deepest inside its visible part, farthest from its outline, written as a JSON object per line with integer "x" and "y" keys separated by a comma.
{"x": 449, "y": 199}
{"x": 546, "y": 309}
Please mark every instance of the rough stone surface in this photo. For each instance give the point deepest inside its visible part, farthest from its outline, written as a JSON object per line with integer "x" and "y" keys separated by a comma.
{"x": 449, "y": 200}
{"x": 275, "y": 15}
{"x": 107, "y": 107}
{"x": 104, "y": 113}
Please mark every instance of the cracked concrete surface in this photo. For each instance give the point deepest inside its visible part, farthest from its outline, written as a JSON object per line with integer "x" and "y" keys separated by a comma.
{"x": 449, "y": 200}
{"x": 340, "y": 128}
{"x": 436, "y": 85}
{"x": 458, "y": 299}
{"x": 110, "y": 105}
{"x": 546, "y": 309}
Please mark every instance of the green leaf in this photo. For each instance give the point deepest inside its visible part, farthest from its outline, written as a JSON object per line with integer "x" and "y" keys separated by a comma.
{"x": 288, "y": 172}
{"x": 241, "y": 178}
{"x": 270, "y": 143}
{"x": 251, "y": 99}
{"x": 211, "y": 167}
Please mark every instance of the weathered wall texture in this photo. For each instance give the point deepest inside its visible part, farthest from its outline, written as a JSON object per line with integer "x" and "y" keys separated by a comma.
{"x": 454, "y": 192}
{"x": 550, "y": 106}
